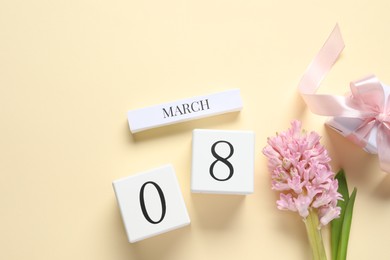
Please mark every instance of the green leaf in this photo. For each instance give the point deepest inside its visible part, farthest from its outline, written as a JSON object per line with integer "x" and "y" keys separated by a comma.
{"x": 346, "y": 227}
{"x": 343, "y": 187}
{"x": 336, "y": 224}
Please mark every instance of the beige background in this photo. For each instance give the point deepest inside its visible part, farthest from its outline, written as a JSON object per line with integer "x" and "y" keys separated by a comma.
{"x": 70, "y": 70}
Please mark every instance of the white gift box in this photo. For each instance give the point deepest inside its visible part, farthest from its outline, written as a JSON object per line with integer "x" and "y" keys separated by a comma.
{"x": 345, "y": 126}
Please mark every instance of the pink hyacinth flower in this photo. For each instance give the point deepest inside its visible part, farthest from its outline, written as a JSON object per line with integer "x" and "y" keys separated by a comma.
{"x": 300, "y": 170}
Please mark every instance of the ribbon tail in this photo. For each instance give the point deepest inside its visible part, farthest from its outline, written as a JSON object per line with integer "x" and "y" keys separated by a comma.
{"x": 323, "y": 62}
{"x": 326, "y": 105}
{"x": 330, "y": 105}
{"x": 383, "y": 144}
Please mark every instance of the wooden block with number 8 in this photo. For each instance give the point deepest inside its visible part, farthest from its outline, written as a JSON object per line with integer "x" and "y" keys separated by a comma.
{"x": 222, "y": 161}
{"x": 151, "y": 203}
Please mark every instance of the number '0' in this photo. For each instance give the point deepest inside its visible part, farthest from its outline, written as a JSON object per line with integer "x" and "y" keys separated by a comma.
{"x": 142, "y": 202}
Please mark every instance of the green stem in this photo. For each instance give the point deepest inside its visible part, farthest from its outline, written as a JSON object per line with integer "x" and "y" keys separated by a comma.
{"x": 314, "y": 235}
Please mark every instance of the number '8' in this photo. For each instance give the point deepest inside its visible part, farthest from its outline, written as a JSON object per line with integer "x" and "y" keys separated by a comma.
{"x": 222, "y": 159}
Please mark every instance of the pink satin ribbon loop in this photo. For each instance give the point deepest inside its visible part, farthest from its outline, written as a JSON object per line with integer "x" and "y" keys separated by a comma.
{"x": 366, "y": 102}
{"x": 369, "y": 93}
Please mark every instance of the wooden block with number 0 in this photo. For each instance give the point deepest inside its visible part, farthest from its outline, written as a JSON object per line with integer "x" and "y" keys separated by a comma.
{"x": 222, "y": 161}
{"x": 151, "y": 203}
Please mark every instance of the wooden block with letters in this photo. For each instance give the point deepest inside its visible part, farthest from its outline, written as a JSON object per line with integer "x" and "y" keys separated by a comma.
{"x": 184, "y": 110}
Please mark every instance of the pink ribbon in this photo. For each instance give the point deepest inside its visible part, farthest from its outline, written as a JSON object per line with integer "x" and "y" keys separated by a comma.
{"x": 366, "y": 102}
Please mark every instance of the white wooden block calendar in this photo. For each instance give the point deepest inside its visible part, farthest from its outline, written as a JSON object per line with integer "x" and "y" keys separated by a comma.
{"x": 184, "y": 110}
{"x": 222, "y": 161}
{"x": 151, "y": 203}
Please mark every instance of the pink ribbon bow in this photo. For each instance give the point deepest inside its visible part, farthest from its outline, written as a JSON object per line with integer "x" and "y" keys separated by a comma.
{"x": 366, "y": 102}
